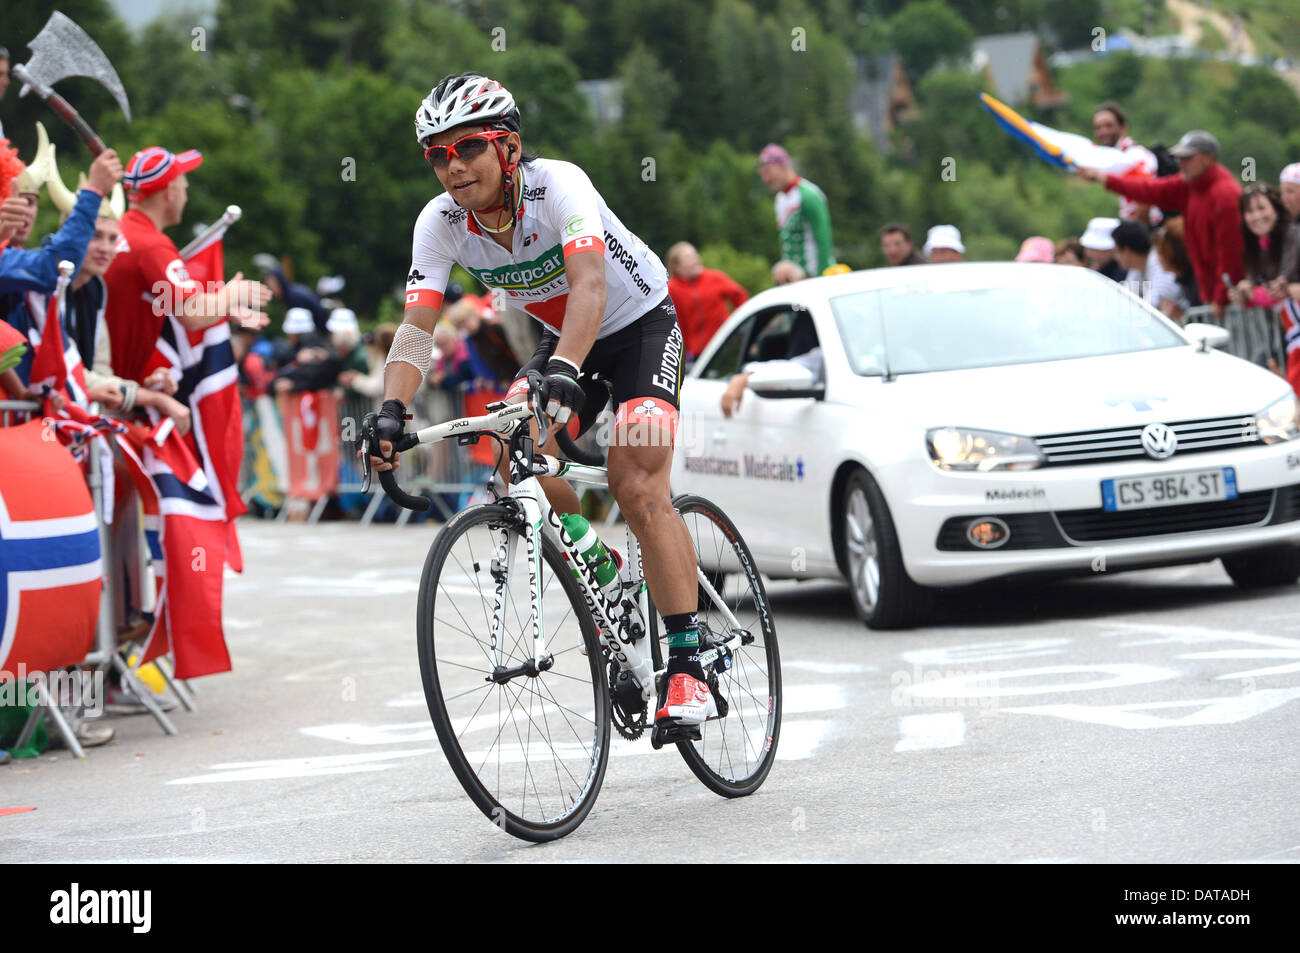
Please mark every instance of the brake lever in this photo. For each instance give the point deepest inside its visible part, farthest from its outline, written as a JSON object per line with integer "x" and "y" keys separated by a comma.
{"x": 535, "y": 401}
{"x": 366, "y": 471}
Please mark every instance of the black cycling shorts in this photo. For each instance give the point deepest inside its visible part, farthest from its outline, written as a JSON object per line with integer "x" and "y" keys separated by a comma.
{"x": 639, "y": 366}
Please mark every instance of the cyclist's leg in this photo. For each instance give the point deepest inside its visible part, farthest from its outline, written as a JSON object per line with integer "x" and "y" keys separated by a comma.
{"x": 647, "y": 381}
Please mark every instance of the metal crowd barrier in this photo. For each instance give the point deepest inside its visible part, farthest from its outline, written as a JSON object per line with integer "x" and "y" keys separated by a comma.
{"x": 445, "y": 472}
{"x": 1256, "y": 333}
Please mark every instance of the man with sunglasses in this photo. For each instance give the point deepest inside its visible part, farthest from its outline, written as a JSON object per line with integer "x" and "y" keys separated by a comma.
{"x": 538, "y": 232}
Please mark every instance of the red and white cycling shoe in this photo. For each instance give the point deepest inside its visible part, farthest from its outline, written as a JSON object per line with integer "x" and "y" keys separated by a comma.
{"x": 688, "y": 701}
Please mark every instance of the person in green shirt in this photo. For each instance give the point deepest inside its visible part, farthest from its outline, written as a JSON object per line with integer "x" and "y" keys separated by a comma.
{"x": 801, "y": 212}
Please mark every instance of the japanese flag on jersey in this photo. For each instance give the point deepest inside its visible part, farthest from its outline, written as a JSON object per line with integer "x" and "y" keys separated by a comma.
{"x": 49, "y": 554}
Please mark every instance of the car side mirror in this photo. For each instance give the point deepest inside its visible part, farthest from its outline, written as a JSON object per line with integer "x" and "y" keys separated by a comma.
{"x": 1208, "y": 335}
{"x": 785, "y": 379}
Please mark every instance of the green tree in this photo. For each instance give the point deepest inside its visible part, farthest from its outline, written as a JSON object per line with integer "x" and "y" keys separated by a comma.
{"x": 925, "y": 33}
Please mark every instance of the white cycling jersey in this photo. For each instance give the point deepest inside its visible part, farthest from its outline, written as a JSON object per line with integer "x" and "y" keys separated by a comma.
{"x": 561, "y": 214}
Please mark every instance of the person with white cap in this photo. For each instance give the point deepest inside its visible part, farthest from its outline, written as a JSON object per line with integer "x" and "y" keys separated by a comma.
{"x": 1099, "y": 246}
{"x": 345, "y": 335}
{"x": 298, "y": 321}
{"x": 1290, "y": 180}
{"x": 307, "y": 360}
{"x": 1207, "y": 194}
{"x": 943, "y": 244}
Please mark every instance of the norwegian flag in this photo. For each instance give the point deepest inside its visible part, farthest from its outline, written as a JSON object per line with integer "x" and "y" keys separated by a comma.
{"x": 186, "y": 531}
{"x": 49, "y": 554}
{"x": 1289, "y": 313}
{"x": 57, "y": 366}
{"x": 203, "y": 364}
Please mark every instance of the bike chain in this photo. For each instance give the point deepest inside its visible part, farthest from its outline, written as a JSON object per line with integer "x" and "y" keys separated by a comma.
{"x": 623, "y": 694}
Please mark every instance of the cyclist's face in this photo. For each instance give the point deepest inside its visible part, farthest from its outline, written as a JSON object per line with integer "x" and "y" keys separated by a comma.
{"x": 474, "y": 183}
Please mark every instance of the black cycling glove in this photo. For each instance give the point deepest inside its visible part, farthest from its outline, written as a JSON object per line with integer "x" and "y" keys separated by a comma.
{"x": 560, "y": 394}
{"x": 390, "y": 423}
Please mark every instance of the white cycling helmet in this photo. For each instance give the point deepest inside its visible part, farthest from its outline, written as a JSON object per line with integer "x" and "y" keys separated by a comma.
{"x": 465, "y": 98}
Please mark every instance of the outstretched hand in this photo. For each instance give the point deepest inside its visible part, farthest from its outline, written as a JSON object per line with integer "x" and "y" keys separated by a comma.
{"x": 244, "y": 301}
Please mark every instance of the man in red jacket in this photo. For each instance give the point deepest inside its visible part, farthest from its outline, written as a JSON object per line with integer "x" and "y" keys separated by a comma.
{"x": 148, "y": 281}
{"x": 1207, "y": 195}
{"x": 700, "y": 296}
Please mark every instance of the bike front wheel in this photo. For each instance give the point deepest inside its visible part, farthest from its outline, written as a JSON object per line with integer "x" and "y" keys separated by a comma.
{"x": 735, "y": 752}
{"x": 530, "y": 751}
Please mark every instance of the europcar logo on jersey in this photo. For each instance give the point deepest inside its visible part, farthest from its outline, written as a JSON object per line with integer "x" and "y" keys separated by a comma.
{"x": 574, "y": 225}
{"x": 527, "y": 274}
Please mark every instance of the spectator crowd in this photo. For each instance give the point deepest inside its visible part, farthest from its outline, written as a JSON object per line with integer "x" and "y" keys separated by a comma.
{"x": 1186, "y": 234}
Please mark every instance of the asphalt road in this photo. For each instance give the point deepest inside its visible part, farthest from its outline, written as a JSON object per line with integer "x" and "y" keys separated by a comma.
{"x": 1143, "y": 717}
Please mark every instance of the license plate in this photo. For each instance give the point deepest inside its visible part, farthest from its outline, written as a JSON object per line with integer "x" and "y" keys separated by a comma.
{"x": 1169, "y": 489}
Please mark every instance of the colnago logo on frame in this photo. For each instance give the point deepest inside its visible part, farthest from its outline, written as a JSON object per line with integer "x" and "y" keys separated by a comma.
{"x": 103, "y": 907}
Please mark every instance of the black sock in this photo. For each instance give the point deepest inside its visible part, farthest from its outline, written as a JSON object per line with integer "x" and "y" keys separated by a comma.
{"x": 683, "y": 644}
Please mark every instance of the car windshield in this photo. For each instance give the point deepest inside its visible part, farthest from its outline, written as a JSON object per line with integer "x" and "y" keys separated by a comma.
{"x": 1013, "y": 318}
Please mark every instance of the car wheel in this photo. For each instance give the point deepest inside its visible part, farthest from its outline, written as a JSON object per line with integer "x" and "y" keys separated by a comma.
{"x": 1256, "y": 568}
{"x": 884, "y": 595}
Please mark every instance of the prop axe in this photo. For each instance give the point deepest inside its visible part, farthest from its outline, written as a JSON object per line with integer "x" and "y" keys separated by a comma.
{"x": 60, "y": 50}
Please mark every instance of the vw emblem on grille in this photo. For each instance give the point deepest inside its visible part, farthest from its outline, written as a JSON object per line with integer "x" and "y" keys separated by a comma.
{"x": 1159, "y": 441}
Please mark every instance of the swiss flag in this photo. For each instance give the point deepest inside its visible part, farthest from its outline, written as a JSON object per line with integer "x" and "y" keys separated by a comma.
{"x": 49, "y": 554}
{"x": 311, "y": 430}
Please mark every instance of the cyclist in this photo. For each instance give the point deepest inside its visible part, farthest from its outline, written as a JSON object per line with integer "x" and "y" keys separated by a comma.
{"x": 538, "y": 230}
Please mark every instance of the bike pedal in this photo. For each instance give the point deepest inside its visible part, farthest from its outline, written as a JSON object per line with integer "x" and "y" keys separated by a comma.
{"x": 671, "y": 733}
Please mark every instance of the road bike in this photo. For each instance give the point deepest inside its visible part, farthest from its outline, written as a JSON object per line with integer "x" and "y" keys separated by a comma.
{"x": 528, "y": 666}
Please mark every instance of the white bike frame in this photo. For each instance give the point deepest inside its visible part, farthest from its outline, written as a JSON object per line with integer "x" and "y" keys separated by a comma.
{"x": 540, "y": 518}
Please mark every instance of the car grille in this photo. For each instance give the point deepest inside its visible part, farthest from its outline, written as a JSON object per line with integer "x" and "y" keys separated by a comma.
{"x": 1085, "y": 526}
{"x": 1065, "y": 528}
{"x": 1125, "y": 443}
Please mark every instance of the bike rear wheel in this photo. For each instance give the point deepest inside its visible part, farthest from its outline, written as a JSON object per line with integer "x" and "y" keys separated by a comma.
{"x": 734, "y": 753}
{"x": 531, "y": 753}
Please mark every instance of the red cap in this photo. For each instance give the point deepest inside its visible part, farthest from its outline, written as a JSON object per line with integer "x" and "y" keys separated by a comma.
{"x": 150, "y": 170}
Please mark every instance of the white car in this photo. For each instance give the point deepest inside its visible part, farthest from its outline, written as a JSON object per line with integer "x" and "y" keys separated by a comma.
{"x": 978, "y": 420}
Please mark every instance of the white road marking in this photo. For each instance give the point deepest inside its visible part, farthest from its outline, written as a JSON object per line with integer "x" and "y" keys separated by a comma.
{"x": 1253, "y": 653}
{"x": 800, "y": 739}
{"x": 985, "y": 651}
{"x": 1211, "y": 711}
{"x": 373, "y": 582}
{"x": 925, "y": 732}
{"x": 986, "y": 684}
{"x": 828, "y": 668}
{"x": 800, "y": 699}
{"x": 282, "y": 768}
{"x": 1193, "y": 634}
{"x": 407, "y": 700}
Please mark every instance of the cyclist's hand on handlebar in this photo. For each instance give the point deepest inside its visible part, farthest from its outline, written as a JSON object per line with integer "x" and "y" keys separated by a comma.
{"x": 558, "y": 394}
{"x": 388, "y": 428}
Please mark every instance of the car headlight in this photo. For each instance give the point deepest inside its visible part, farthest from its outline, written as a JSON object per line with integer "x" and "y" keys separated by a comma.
{"x": 956, "y": 448}
{"x": 1278, "y": 421}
